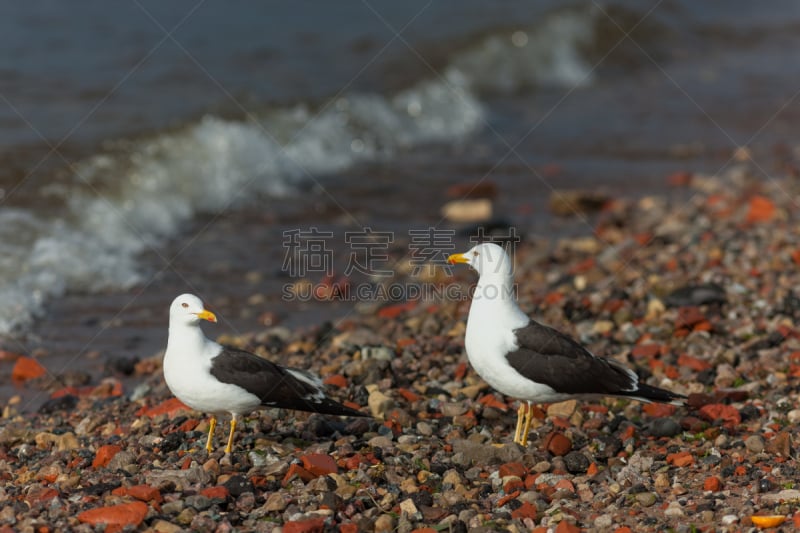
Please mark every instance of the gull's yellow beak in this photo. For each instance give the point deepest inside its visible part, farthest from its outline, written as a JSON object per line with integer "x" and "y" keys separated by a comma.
{"x": 205, "y": 314}
{"x": 457, "y": 258}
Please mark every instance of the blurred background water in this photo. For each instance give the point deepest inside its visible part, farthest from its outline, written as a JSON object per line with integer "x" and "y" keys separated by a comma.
{"x": 153, "y": 148}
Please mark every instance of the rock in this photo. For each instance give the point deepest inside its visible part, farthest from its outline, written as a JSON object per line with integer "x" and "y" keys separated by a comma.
{"x": 473, "y": 210}
{"x": 646, "y": 499}
{"x": 663, "y": 427}
{"x": 673, "y": 510}
{"x": 604, "y": 521}
{"x": 780, "y": 444}
{"x": 570, "y": 203}
{"x": 64, "y": 442}
{"x": 576, "y": 462}
{"x": 384, "y": 524}
{"x": 786, "y": 495}
{"x": 181, "y": 479}
{"x": 480, "y": 453}
{"x": 562, "y": 409}
{"x": 424, "y": 429}
{"x": 275, "y": 502}
{"x": 162, "y": 526}
{"x": 379, "y": 404}
{"x": 453, "y": 408}
{"x": 121, "y": 461}
{"x": 754, "y": 444}
{"x": 694, "y": 295}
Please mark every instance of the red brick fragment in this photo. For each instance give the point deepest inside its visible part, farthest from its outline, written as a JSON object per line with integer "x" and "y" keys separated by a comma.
{"x": 508, "y": 497}
{"x": 295, "y": 470}
{"x": 648, "y": 350}
{"x": 395, "y": 310}
{"x": 169, "y": 407}
{"x": 567, "y": 527}
{"x": 712, "y": 483}
{"x": 526, "y": 510}
{"x": 698, "y": 365}
{"x": 513, "y": 469}
{"x": 490, "y": 400}
{"x": 115, "y": 517}
{"x": 557, "y": 444}
{"x": 104, "y": 455}
{"x": 659, "y": 410}
{"x": 729, "y": 415}
{"x": 761, "y": 209}
{"x": 27, "y": 368}
{"x": 145, "y": 493}
{"x": 319, "y": 464}
{"x": 409, "y": 395}
{"x": 312, "y": 525}
{"x": 216, "y": 493}
{"x": 336, "y": 380}
{"x": 681, "y": 459}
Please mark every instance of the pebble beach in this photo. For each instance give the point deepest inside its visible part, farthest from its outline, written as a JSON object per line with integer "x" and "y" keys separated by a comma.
{"x": 696, "y": 290}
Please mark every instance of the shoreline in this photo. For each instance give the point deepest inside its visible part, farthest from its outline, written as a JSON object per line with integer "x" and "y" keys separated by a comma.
{"x": 599, "y": 464}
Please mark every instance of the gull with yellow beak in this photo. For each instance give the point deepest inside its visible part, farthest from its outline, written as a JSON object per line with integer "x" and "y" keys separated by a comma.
{"x": 216, "y": 379}
{"x": 528, "y": 360}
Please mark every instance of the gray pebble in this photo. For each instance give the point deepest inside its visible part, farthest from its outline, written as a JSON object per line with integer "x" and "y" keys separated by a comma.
{"x": 664, "y": 427}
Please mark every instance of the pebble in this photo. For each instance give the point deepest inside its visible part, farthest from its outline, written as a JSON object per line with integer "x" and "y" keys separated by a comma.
{"x": 663, "y": 427}
{"x": 576, "y": 462}
{"x": 673, "y": 510}
{"x": 754, "y": 443}
{"x": 646, "y": 499}
{"x": 424, "y": 429}
{"x": 379, "y": 404}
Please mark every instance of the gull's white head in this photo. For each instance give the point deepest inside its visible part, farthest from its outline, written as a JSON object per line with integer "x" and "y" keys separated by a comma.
{"x": 488, "y": 259}
{"x": 188, "y": 309}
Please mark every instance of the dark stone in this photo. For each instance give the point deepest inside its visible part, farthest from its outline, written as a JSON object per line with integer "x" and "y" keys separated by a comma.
{"x": 693, "y": 295}
{"x": 330, "y": 500}
{"x": 422, "y": 497}
{"x": 439, "y": 468}
{"x": 122, "y": 365}
{"x": 609, "y": 446}
{"x": 707, "y": 376}
{"x": 576, "y": 462}
{"x": 198, "y": 501}
{"x": 321, "y": 426}
{"x": 663, "y": 427}
{"x": 172, "y": 441}
{"x": 458, "y": 526}
{"x": 637, "y": 489}
{"x": 99, "y": 489}
{"x": 514, "y": 504}
{"x": 749, "y": 412}
{"x": 765, "y": 485}
{"x": 238, "y": 485}
{"x": 62, "y": 403}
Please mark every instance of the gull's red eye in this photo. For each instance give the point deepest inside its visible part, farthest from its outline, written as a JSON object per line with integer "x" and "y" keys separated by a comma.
{"x": 184, "y": 304}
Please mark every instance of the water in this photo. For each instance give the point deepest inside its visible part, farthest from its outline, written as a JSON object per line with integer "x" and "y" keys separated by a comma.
{"x": 153, "y": 148}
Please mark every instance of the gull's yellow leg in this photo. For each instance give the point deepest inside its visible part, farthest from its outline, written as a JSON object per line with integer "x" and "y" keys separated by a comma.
{"x": 520, "y": 414}
{"x": 212, "y": 424}
{"x": 230, "y": 437}
{"x": 527, "y": 428}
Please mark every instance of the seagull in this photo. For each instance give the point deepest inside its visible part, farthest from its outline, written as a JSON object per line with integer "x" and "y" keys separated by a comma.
{"x": 527, "y": 360}
{"x": 217, "y": 379}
